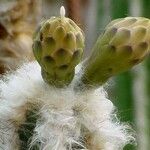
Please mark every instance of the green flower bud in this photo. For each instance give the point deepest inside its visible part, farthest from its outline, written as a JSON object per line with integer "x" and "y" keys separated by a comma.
{"x": 124, "y": 43}
{"x": 58, "y": 47}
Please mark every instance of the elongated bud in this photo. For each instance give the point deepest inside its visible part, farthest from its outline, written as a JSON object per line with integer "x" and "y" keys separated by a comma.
{"x": 125, "y": 43}
{"x": 58, "y": 47}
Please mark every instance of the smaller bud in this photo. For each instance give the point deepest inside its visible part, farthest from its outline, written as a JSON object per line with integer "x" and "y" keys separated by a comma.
{"x": 124, "y": 43}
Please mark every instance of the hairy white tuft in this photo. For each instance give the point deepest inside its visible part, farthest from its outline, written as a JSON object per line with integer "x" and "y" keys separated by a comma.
{"x": 68, "y": 120}
{"x": 8, "y": 136}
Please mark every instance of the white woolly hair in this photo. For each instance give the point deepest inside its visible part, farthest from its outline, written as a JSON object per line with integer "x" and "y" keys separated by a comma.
{"x": 68, "y": 120}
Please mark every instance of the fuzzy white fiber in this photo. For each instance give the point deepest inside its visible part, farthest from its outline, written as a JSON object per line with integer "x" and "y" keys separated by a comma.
{"x": 85, "y": 119}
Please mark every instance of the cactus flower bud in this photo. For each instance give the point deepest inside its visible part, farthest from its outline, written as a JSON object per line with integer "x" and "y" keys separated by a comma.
{"x": 58, "y": 47}
{"x": 124, "y": 43}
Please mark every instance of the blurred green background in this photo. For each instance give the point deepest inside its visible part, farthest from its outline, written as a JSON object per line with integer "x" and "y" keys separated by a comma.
{"x": 129, "y": 91}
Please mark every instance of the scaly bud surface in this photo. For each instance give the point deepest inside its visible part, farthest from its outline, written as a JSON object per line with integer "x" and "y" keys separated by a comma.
{"x": 124, "y": 43}
{"x": 58, "y": 47}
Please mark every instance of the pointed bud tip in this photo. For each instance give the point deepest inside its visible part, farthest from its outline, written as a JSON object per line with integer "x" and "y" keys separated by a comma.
{"x": 62, "y": 11}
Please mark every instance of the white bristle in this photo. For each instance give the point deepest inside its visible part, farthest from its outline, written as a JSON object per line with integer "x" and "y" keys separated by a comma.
{"x": 62, "y": 11}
